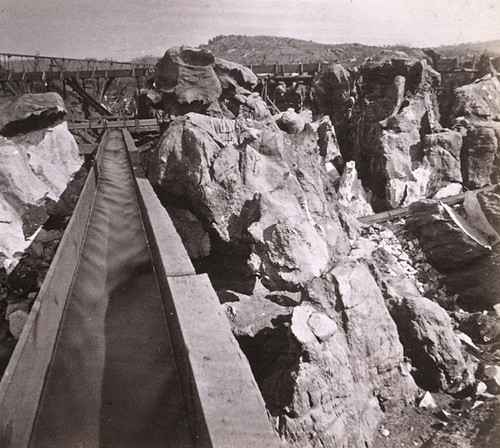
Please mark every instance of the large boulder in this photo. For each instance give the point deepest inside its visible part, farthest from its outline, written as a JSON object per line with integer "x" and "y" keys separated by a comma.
{"x": 425, "y": 330}
{"x": 193, "y": 80}
{"x": 34, "y": 172}
{"x": 30, "y": 110}
{"x": 426, "y": 333}
{"x": 476, "y": 114}
{"x": 264, "y": 193}
{"x": 331, "y": 383}
{"x": 448, "y": 240}
{"x": 189, "y": 75}
{"x": 400, "y": 149}
{"x": 441, "y": 157}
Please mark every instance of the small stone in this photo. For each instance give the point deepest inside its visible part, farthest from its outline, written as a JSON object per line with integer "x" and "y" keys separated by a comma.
{"x": 385, "y": 432}
{"x": 322, "y": 326}
{"x": 480, "y": 388}
{"x": 387, "y": 233}
{"x": 403, "y": 256}
{"x": 477, "y": 404}
{"x": 17, "y": 320}
{"x": 427, "y": 401}
{"x": 492, "y": 375}
{"x": 443, "y": 415}
{"x": 497, "y": 309}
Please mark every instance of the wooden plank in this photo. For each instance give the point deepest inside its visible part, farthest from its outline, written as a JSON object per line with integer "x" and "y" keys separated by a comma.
{"x": 403, "y": 212}
{"x": 285, "y": 68}
{"x": 83, "y": 74}
{"x": 223, "y": 385}
{"x": 164, "y": 240}
{"x": 149, "y": 124}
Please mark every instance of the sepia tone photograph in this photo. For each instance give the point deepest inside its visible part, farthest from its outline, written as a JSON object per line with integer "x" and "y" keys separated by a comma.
{"x": 249, "y": 224}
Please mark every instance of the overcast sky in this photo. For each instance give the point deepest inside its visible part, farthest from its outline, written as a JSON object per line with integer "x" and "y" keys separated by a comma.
{"x": 123, "y": 29}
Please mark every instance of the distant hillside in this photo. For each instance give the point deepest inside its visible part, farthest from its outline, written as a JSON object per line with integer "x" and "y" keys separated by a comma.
{"x": 492, "y": 46}
{"x": 271, "y": 50}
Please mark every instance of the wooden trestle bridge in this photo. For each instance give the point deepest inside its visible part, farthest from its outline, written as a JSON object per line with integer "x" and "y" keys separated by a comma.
{"x": 20, "y": 73}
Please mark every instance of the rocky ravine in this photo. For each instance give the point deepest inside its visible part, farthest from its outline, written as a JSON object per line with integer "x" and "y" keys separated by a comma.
{"x": 339, "y": 329}
{"x": 358, "y": 335}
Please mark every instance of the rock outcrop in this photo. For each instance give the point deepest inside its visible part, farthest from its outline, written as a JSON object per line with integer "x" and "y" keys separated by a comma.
{"x": 476, "y": 114}
{"x": 193, "y": 80}
{"x": 323, "y": 380}
{"x": 448, "y": 240}
{"x": 334, "y": 324}
{"x": 34, "y": 172}
{"x": 401, "y": 150}
{"x": 21, "y": 114}
{"x": 265, "y": 197}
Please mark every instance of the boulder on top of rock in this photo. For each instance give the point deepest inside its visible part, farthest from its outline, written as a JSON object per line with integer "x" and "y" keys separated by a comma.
{"x": 426, "y": 333}
{"x": 29, "y": 111}
{"x": 233, "y": 75}
{"x": 447, "y": 239}
{"x": 476, "y": 114}
{"x": 188, "y": 74}
{"x": 483, "y": 209}
{"x": 292, "y": 122}
{"x": 193, "y": 80}
{"x": 396, "y": 117}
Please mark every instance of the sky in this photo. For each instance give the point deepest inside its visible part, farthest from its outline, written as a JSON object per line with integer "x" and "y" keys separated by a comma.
{"x": 124, "y": 29}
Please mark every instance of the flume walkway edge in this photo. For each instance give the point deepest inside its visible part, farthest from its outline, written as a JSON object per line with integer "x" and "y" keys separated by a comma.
{"x": 222, "y": 406}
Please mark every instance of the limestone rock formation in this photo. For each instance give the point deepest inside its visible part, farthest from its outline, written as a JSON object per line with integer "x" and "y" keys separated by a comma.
{"x": 476, "y": 114}
{"x": 333, "y": 324}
